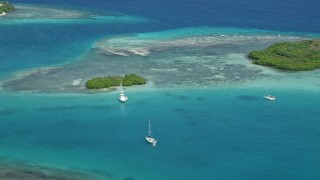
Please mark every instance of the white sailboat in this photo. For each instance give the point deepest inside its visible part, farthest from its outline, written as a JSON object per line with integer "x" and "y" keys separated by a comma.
{"x": 149, "y": 138}
{"x": 122, "y": 96}
{"x": 269, "y": 97}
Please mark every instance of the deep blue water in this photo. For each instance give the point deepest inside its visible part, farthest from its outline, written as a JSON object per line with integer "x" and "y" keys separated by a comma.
{"x": 23, "y": 44}
{"x": 288, "y": 15}
{"x": 35, "y": 45}
{"x": 218, "y": 133}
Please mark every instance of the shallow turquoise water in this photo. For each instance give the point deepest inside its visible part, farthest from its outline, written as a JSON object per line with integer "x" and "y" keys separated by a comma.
{"x": 223, "y": 131}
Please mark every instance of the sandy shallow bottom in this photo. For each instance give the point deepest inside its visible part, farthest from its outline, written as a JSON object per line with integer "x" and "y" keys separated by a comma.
{"x": 31, "y": 14}
{"x": 179, "y": 62}
{"x": 43, "y": 12}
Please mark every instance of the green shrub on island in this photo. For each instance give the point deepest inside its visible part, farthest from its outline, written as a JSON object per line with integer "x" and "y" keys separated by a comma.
{"x": 6, "y": 7}
{"x": 132, "y": 79}
{"x": 103, "y": 82}
{"x": 295, "y": 56}
{"x": 112, "y": 81}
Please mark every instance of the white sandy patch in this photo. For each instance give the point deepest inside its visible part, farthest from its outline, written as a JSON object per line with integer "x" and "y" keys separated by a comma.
{"x": 141, "y": 52}
{"x": 42, "y": 12}
{"x": 117, "y": 53}
{"x": 218, "y": 76}
{"x": 76, "y": 82}
{"x": 137, "y": 45}
{"x": 2, "y": 14}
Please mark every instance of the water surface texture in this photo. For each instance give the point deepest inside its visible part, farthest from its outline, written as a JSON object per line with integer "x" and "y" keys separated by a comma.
{"x": 203, "y": 96}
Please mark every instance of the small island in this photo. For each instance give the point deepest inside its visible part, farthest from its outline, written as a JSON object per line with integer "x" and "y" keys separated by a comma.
{"x": 112, "y": 81}
{"x": 294, "y": 56}
{"x": 6, "y": 7}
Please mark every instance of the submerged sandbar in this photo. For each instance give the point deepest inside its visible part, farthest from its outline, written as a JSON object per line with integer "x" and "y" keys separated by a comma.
{"x": 189, "y": 57}
{"x": 25, "y": 13}
{"x": 196, "y": 60}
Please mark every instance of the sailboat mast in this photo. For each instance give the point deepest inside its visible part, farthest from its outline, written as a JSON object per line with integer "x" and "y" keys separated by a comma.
{"x": 149, "y": 129}
{"x": 266, "y": 91}
{"x": 121, "y": 88}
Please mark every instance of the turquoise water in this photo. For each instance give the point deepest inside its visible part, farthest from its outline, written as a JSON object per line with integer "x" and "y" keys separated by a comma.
{"x": 203, "y": 134}
{"x": 203, "y": 97}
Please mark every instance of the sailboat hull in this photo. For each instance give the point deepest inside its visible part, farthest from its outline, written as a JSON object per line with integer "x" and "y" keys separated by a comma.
{"x": 271, "y": 98}
{"x": 123, "y": 98}
{"x": 149, "y": 138}
{"x": 151, "y": 141}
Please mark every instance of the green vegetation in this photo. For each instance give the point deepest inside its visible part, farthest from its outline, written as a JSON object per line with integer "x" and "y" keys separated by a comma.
{"x": 295, "y": 56}
{"x": 6, "y": 7}
{"x": 111, "y": 81}
{"x": 103, "y": 82}
{"x": 132, "y": 79}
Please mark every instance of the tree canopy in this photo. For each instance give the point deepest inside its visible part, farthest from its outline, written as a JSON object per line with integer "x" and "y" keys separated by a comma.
{"x": 112, "y": 81}
{"x": 6, "y": 7}
{"x": 295, "y": 56}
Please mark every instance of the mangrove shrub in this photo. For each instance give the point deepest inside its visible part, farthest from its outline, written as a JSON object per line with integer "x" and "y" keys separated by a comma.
{"x": 295, "y": 56}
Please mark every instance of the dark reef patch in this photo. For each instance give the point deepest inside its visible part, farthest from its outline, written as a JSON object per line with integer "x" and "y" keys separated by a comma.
{"x": 180, "y": 110}
{"x": 10, "y": 170}
{"x": 182, "y": 97}
{"x": 192, "y": 123}
{"x": 8, "y": 111}
{"x": 200, "y": 98}
{"x": 69, "y": 108}
{"x": 248, "y": 97}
